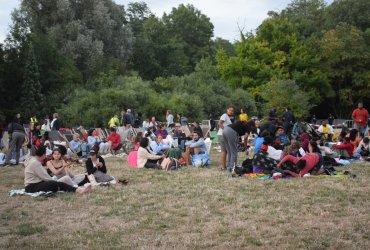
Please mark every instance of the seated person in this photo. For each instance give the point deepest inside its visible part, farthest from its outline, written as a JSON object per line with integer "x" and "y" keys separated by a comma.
{"x": 363, "y": 148}
{"x": 94, "y": 142}
{"x": 296, "y": 150}
{"x": 311, "y": 162}
{"x": 280, "y": 132}
{"x": 196, "y": 146}
{"x": 345, "y": 149}
{"x": 326, "y": 130}
{"x": 137, "y": 140}
{"x": 277, "y": 143}
{"x": 146, "y": 158}
{"x": 273, "y": 153}
{"x": 60, "y": 169}
{"x": 262, "y": 162}
{"x": 146, "y": 124}
{"x": 95, "y": 166}
{"x": 180, "y": 136}
{"x": 305, "y": 140}
{"x": 114, "y": 141}
{"x": 77, "y": 146}
{"x": 162, "y": 131}
{"x": 37, "y": 179}
{"x": 159, "y": 146}
{"x": 258, "y": 141}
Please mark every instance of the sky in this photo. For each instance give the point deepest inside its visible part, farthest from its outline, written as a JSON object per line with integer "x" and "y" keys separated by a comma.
{"x": 226, "y": 16}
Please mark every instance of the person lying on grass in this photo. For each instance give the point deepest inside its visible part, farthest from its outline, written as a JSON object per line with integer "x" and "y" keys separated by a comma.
{"x": 37, "y": 179}
{"x": 309, "y": 163}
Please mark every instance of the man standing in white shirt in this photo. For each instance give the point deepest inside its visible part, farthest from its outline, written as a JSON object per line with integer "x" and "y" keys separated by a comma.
{"x": 169, "y": 118}
{"x": 225, "y": 120}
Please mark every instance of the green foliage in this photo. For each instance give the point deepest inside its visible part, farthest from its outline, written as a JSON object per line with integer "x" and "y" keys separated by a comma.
{"x": 286, "y": 93}
{"x": 31, "y": 98}
{"x": 196, "y": 96}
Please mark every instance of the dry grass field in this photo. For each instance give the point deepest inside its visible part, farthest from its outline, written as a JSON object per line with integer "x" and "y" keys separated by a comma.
{"x": 191, "y": 209}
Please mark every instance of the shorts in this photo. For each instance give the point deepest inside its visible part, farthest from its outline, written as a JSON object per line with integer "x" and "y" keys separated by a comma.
{"x": 222, "y": 142}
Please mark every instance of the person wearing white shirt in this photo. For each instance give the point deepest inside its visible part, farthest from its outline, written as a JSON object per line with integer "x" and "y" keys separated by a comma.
{"x": 225, "y": 120}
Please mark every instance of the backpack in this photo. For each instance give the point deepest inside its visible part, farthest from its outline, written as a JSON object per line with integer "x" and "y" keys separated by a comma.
{"x": 245, "y": 168}
{"x": 169, "y": 163}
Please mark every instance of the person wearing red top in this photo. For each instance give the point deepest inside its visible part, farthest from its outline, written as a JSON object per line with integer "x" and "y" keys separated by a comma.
{"x": 309, "y": 162}
{"x": 360, "y": 117}
{"x": 114, "y": 140}
{"x": 347, "y": 146}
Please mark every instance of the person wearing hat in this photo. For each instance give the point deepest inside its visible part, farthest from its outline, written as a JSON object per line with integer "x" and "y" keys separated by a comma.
{"x": 95, "y": 165}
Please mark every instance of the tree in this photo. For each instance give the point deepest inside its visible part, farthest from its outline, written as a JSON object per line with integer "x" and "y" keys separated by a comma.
{"x": 352, "y": 12}
{"x": 347, "y": 60}
{"x": 193, "y": 29}
{"x": 286, "y": 93}
{"x": 31, "y": 97}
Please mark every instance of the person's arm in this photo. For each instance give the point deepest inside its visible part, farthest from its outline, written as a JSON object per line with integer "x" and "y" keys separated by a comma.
{"x": 52, "y": 168}
{"x": 102, "y": 167}
{"x": 341, "y": 146}
{"x": 41, "y": 172}
{"x": 197, "y": 144}
{"x": 90, "y": 167}
{"x": 151, "y": 156}
{"x": 287, "y": 158}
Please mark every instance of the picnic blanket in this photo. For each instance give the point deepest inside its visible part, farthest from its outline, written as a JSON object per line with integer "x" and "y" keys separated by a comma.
{"x": 15, "y": 192}
{"x": 338, "y": 175}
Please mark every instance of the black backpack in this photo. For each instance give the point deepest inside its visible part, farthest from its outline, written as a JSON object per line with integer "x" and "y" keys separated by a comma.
{"x": 245, "y": 168}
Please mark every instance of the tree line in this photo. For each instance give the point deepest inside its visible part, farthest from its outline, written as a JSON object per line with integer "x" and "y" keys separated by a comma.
{"x": 90, "y": 59}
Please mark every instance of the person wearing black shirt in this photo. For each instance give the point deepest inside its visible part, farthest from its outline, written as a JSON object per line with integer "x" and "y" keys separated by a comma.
{"x": 231, "y": 135}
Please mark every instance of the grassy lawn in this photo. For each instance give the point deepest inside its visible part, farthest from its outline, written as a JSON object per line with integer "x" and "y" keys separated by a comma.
{"x": 191, "y": 209}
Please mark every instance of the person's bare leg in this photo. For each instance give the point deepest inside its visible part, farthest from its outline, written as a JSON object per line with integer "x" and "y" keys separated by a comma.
{"x": 187, "y": 155}
{"x": 196, "y": 151}
{"x": 223, "y": 159}
{"x": 85, "y": 189}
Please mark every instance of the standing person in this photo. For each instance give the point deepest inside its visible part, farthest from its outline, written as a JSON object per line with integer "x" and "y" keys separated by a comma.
{"x": 243, "y": 116}
{"x": 225, "y": 120}
{"x": 288, "y": 121}
{"x": 331, "y": 119}
{"x": 33, "y": 119}
{"x": 182, "y": 119}
{"x": 360, "y": 116}
{"x": 126, "y": 119}
{"x": 169, "y": 118}
{"x": 113, "y": 122}
{"x": 272, "y": 114}
{"x": 45, "y": 127}
{"x": 16, "y": 138}
{"x": 231, "y": 135}
{"x": 56, "y": 124}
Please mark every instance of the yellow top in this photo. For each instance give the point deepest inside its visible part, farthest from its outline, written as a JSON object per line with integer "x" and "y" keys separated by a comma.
{"x": 243, "y": 117}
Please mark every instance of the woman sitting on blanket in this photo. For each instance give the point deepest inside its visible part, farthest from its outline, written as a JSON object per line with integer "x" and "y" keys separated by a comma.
{"x": 146, "y": 158}
{"x": 37, "y": 178}
{"x": 95, "y": 166}
{"x": 60, "y": 169}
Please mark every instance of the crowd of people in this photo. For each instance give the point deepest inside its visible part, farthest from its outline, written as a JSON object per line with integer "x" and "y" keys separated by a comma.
{"x": 280, "y": 146}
